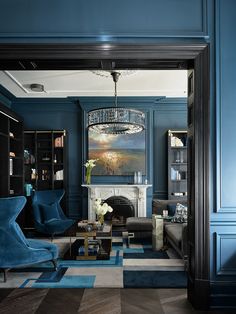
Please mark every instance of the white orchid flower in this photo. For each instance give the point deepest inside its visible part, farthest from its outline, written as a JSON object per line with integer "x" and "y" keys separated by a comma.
{"x": 91, "y": 163}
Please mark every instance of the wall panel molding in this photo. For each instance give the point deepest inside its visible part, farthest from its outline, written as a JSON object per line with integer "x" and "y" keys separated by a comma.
{"x": 80, "y": 19}
{"x": 225, "y": 101}
{"x": 225, "y": 257}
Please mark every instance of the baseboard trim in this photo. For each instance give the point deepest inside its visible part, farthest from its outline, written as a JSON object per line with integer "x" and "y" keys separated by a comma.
{"x": 223, "y": 295}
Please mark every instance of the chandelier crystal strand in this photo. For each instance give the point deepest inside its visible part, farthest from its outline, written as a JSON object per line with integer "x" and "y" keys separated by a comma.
{"x": 116, "y": 120}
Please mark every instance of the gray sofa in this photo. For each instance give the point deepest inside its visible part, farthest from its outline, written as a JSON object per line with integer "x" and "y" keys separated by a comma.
{"x": 175, "y": 233}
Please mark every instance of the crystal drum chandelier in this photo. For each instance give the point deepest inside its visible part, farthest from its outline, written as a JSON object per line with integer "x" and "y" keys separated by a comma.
{"x": 116, "y": 120}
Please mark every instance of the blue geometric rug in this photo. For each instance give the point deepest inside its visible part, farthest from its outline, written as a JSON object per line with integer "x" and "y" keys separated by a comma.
{"x": 101, "y": 273}
{"x": 154, "y": 279}
{"x": 146, "y": 253}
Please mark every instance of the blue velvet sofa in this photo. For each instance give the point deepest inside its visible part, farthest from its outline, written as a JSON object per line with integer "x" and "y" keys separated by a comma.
{"x": 175, "y": 233}
{"x": 16, "y": 250}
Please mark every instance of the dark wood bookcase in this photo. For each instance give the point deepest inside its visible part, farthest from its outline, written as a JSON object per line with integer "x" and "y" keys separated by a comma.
{"x": 11, "y": 153}
{"x": 45, "y": 159}
{"x": 45, "y": 165}
{"x": 177, "y": 165}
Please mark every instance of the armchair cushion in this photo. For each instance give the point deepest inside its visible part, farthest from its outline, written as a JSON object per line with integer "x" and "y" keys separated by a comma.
{"x": 49, "y": 217}
{"x": 38, "y": 244}
{"x": 49, "y": 211}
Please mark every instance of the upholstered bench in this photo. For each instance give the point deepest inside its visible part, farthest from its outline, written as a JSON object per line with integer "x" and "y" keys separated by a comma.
{"x": 138, "y": 227}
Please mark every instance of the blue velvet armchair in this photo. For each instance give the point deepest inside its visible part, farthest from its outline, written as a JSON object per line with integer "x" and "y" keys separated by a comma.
{"x": 15, "y": 249}
{"x": 49, "y": 217}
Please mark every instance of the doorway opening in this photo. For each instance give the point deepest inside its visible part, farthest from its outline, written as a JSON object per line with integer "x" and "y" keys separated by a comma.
{"x": 194, "y": 58}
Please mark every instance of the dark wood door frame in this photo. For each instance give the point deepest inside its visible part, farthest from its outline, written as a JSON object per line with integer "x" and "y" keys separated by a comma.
{"x": 157, "y": 56}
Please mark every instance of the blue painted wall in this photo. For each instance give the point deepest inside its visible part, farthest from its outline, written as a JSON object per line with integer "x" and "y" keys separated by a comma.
{"x": 223, "y": 216}
{"x": 211, "y": 21}
{"x": 162, "y": 114}
{"x": 104, "y": 19}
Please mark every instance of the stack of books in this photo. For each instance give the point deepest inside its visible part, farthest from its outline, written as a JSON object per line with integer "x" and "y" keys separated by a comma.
{"x": 93, "y": 248}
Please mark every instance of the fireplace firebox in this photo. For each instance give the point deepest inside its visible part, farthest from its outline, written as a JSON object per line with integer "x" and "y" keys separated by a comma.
{"x": 122, "y": 209}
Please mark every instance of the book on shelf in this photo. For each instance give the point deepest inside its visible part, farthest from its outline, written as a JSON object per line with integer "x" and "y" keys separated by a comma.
{"x": 59, "y": 141}
{"x": 11, "y": 166}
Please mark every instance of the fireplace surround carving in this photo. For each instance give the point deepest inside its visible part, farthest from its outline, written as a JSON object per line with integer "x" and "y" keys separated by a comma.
{"x": 137, "y": 194}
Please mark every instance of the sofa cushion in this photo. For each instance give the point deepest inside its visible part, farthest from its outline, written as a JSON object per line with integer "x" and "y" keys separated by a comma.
{"x": 181, "y": 213}
{"x": 171, "y": 209}
{"x": 139, "y": 224}
{"x": 159, "y": 205}
{"x": 174, "y": 231}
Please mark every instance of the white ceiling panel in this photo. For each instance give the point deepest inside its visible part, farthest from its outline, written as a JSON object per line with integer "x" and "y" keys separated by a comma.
{"x": 170, "y": 83}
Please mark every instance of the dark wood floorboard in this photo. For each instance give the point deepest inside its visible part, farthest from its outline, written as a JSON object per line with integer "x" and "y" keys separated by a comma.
{"x": 4, "y": 293}
{"x": 97, "y": 301}
{"x": 61, "y": 301}
{"x": 140, "y": 301}
{"x": 22, "y": 301}
{"x": 100, "y": 301}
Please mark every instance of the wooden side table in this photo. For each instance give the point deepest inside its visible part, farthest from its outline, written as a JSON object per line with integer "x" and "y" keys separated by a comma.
{"x": 86, "y": 236}
{"x": 81, "y": 238}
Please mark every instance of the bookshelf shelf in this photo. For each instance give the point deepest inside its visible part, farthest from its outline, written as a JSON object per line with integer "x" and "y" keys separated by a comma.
{"x": 11, "y": 157}
{"x": 177, "y": 164}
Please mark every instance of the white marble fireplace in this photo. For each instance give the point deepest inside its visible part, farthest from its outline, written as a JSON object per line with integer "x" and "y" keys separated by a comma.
{"x": 137, "y": 194}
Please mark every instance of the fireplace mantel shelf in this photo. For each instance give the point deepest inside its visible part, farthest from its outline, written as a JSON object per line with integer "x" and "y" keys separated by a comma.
{"x": 117, "y": 185}
{"x": 136, "y": 193}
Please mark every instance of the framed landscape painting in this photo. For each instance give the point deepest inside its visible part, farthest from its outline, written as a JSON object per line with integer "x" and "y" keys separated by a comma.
{"x": 118, "y": 155}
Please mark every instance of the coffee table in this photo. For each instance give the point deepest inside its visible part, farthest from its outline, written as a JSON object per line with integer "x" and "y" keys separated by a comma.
{"x": 81, "y": 237}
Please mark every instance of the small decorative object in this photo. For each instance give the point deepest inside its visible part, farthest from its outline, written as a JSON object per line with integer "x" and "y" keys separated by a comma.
{"x": 33, "y": 174}
{"x": 89, "y": 227}
{"x": 138, "y": 178}
{"x": 11, "y": 166}
{"x": 12, "y": 154}
{"x": 90, "y": 164}
{"x": 101, "y": 208}
{"x": 165, "y": 213}
{"x": 46, "y": 158}
{"x": 55, "y": 159}
{"x": 28, "y": 189}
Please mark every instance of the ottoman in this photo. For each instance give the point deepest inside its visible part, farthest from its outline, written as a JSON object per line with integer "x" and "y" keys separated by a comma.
{"x": 138, "y": 227}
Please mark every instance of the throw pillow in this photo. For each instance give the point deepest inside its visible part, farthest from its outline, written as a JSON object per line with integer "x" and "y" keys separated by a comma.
{"x": 171, "y": 209}
{"x": 49, "y": 211}
{"x": 181, "y": 213}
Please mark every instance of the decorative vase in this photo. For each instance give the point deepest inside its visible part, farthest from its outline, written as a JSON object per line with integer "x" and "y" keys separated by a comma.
{"x": 88, "y": 176}
{"x": 101, "y": 219}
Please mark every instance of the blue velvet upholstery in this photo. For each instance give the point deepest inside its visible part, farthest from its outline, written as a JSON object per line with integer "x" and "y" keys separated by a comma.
{"x": 57, "y": 225}
{"x": 15, "y": 249}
